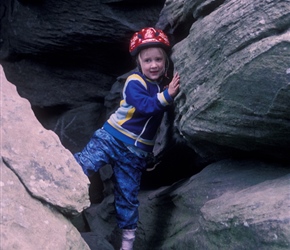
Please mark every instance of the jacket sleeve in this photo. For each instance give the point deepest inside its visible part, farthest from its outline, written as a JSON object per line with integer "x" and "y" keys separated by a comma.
{"x": 137, "y": 95}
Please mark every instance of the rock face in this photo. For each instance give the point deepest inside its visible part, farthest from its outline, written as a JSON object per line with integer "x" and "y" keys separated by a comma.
{"x": 231, "y": 204}
{"x": 26, "y": 223}
{"x": 40, "y": 181}
{"x": 231, "y": 118}
{"x": 235, "y": 80}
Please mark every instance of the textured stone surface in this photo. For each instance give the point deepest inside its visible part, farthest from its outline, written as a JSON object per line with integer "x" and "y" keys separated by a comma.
{"x": 27, "y": 223}
{"x": 234, "y": 68}
{"x": 37, "y": 156}
{"x": 233, "y": 58}
{"x": 231, "y": 204}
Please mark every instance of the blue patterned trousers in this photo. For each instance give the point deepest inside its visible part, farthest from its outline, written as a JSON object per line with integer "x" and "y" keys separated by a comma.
{"x": 104, "y": 149}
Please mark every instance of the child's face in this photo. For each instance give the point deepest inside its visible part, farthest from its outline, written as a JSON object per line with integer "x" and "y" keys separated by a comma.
{"x": 152, "y": 62}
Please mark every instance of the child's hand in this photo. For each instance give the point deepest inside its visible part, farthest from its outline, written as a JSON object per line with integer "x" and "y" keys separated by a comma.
{"x": 173, "y": 87}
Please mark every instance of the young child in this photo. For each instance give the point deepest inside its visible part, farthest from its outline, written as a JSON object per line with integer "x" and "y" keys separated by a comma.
{"x": 127, "y": 137}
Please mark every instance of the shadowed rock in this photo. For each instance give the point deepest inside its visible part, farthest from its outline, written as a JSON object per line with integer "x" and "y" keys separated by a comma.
{"x": 232, "y": 112}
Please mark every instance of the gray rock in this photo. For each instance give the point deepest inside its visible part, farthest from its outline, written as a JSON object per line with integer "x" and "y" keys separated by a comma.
{"x": 28, "y": 223}
{"x": 37, "y": 157}
{"x": 40, "y": 181}
{"x": 229, "y": 205}
{"x": 234, "y": 81}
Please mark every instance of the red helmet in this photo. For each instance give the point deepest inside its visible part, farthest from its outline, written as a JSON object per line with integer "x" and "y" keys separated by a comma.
{"x": 148, "y": 37}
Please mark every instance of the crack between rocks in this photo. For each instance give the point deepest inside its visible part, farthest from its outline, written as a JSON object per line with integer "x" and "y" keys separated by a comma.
{"x": 207, "y": 8}
{"x": 39, "y": 198}
{"x": 268, "y": 33}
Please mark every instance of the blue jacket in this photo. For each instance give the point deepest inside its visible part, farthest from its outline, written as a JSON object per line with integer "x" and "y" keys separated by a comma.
{"x": 138, "y": 118}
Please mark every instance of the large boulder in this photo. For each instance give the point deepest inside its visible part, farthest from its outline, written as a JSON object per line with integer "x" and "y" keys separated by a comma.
{"x": 41, "y": 183}
{"x": 231, "y": 204}
{"x": 235, "y": 72}
{"x": 28, "y": 223}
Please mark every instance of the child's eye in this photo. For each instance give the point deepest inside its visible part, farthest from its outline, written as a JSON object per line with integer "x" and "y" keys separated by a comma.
{"x": 158, "y": 59}
{"x": 147, "y": 60}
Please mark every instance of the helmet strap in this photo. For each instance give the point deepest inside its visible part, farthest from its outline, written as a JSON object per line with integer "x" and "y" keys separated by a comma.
{"x": 138, "y": 65}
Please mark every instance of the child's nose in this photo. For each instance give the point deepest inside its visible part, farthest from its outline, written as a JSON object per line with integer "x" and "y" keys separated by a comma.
{"x": 154, "y": 64}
